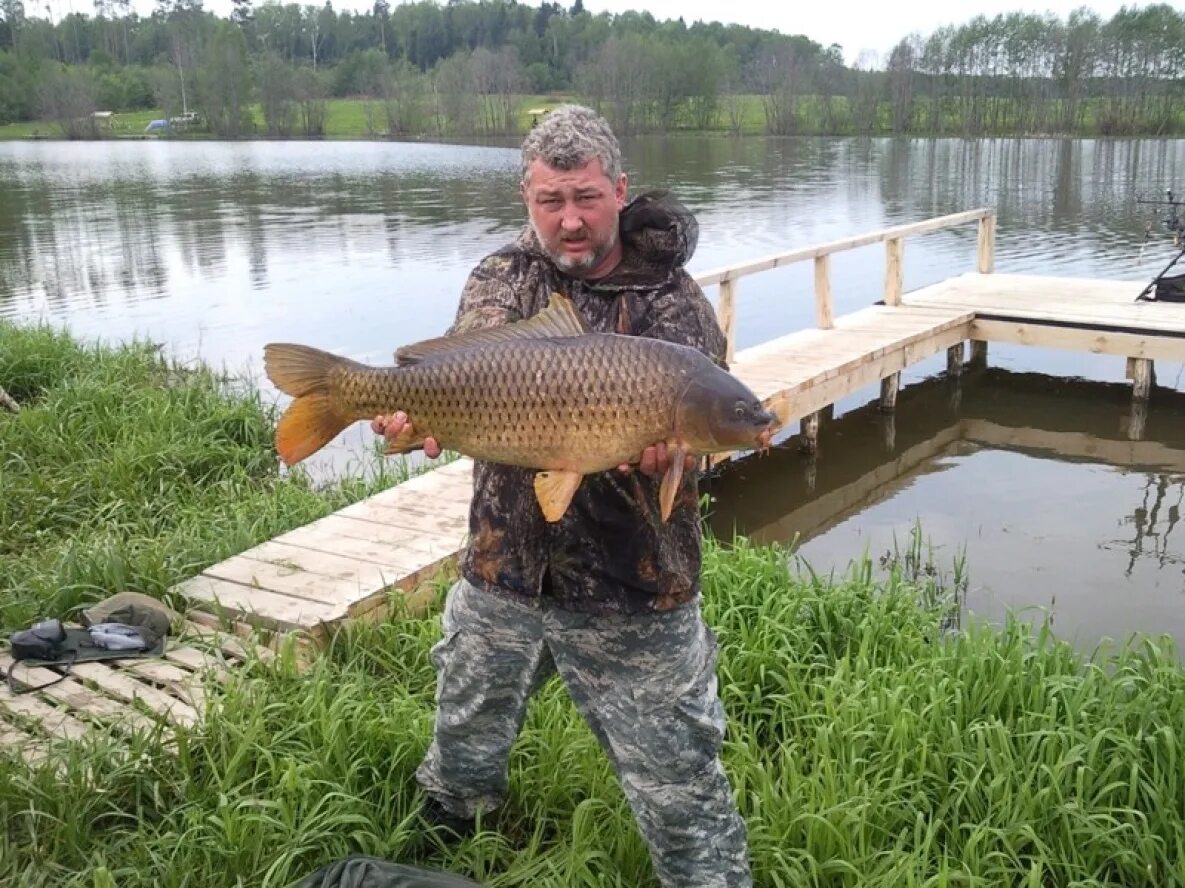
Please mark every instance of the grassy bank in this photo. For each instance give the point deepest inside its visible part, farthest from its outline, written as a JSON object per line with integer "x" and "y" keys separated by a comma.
{"x": 865, "y": 745}
{"x": 123, "y": 470}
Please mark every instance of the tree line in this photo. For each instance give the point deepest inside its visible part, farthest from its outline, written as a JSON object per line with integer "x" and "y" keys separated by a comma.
{"x": 462, "y": 68}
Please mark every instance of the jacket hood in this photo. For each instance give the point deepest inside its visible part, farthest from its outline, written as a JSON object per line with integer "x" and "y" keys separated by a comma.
{"x": 658, "y": 237}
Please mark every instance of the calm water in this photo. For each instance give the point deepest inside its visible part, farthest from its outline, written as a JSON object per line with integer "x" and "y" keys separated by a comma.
{"x": 215, "y": 249}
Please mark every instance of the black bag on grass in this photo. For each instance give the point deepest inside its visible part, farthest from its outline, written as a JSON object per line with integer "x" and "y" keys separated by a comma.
{"x": 123, "y": 626}
{"x": 359, "y": 871}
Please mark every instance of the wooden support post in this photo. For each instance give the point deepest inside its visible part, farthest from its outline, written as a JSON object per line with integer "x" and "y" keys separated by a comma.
{"x": 812, "y": 473}
{"x": 1137, "y": 420}
{"x": 1142, "y": 373}
{"x": 986, "y": 252}
{"x": 889, "y": 426}
{"x": 823, "y": 310}
{"x": 979, "y": 352}
{"x": 889, "y": 386}
{"x": 894, "y": 255}
{"x": 954, "y": 359}
{"x": 727, "y": 315}
{"x": 810, "y": 433}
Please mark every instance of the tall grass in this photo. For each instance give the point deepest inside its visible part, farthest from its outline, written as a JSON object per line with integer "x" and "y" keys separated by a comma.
{"x": 124, "y": 470}
{"x": 866, "y": 747}
{"x": 869, "y": 742}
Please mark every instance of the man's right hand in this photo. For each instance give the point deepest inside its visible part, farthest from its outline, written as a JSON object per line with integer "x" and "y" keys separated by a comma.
{"x": 391, "y": 426}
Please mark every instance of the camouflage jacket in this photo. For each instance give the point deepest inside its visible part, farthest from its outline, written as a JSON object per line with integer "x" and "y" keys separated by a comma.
{"x": 610, "y": 553}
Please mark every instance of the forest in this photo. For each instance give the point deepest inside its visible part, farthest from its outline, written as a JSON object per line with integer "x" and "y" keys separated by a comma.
{"x": 468, "y": 68}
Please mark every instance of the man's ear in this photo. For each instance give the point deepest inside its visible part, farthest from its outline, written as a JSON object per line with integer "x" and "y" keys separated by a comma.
{"x": 622, "y": 190}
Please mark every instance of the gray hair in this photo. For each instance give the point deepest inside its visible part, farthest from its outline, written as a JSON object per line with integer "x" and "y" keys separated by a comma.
{"x": 569, "y": 137}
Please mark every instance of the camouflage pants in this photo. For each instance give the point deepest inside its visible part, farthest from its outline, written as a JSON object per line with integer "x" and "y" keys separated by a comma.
{"x": 646, "y": 686}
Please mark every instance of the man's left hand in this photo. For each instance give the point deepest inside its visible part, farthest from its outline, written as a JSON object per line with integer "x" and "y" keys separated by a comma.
{"x": 655, "y": 461}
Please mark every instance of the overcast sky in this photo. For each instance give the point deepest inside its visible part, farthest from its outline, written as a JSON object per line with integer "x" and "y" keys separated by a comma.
{"x": 853, "y": 24}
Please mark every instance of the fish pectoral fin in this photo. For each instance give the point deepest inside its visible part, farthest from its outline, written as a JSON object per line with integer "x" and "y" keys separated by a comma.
{"x": 671, "y": 481}
{"x": 408, "y": 439}
{"x": 554, "y": 490}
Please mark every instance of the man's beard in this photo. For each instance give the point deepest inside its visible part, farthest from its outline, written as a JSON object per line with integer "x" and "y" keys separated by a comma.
{"x": 572, "y": 263}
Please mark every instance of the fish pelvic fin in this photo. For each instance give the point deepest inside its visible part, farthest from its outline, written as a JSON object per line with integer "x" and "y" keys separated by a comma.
{"x": 554, "y": 490}
{"x": 312, "y": 420}
{"x": 671, "y": 481}
{"x": 408, "y": 439}
{"x": 559, "y": 319}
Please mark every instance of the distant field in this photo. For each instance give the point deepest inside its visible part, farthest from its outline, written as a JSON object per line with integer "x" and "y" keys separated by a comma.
{"x": 345, "y": 119}
{"x": 357, "y": 118}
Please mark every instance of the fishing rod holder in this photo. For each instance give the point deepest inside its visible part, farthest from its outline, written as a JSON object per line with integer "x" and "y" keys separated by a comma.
{"x": 1167, "y": 289}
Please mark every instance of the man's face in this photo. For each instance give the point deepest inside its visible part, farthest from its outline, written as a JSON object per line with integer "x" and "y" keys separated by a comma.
{"x": 574, "y": 214}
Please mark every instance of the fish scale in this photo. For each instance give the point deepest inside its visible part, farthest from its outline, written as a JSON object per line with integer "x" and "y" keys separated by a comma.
{"x": 544, "y": 393}
{"x": 599, "y": 399}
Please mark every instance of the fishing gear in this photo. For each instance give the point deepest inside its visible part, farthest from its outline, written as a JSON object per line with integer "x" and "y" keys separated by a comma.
{"x": 1167, "y": 289}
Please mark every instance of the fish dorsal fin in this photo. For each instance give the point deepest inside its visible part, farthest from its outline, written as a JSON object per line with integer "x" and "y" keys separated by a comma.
{"x": 559, "y": 319}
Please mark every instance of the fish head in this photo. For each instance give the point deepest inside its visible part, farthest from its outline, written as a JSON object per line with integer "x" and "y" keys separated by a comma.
{"x": 718, "y": 412}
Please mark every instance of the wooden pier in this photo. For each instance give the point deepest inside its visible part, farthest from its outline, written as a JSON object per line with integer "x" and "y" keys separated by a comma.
{"x": 397, "y": 546}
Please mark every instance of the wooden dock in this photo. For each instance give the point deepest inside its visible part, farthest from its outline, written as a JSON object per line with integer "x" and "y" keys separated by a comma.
{"x": 398, "y": 544}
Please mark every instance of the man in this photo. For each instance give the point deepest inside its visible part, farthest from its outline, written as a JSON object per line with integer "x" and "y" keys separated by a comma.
{"x": 609, "y": 595}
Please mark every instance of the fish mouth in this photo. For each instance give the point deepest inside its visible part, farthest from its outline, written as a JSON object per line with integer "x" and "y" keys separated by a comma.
{"x": 767, "y": 433}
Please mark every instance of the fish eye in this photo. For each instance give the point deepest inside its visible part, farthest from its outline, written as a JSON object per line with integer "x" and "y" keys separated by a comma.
{"x": 740, "y": 409}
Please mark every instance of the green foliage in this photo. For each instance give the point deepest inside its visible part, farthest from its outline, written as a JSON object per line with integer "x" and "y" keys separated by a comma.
{"x": 125, "y": 471}
{"x": 866, "y": 745}
{"x": 1013, "y": 73}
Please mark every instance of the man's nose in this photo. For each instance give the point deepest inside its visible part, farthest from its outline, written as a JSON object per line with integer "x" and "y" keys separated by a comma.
{"x": 570, "y": 219}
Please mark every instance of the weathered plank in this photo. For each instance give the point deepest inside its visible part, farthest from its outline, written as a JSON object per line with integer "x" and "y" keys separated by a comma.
{"x": 123, "y": 686}
{"x": 77, "y": 697}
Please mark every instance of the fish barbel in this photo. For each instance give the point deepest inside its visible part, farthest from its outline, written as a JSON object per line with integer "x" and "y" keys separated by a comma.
{"x": 544, "y": 393}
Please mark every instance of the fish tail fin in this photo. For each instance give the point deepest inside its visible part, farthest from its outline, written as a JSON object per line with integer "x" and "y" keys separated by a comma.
{"x": 312, "y": 420}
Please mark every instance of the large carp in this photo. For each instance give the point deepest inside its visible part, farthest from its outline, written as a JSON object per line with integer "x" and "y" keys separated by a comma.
{"x": 543, "y": 393}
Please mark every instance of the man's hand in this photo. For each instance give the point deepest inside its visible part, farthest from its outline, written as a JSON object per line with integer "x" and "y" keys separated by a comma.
{"x": 391, "y": 426}
{"x": 655, "y": 461}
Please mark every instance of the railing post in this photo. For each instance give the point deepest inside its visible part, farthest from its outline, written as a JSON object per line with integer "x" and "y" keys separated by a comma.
{"x": 986, "y": 252}
{"x": 894, "y": 254}
{"x": 727, "y": 315}
{"x": 823, "y": 312}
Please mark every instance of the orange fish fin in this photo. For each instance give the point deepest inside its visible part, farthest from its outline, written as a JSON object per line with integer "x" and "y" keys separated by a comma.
{"x": 309, "y": 423}
{"x": 409, "y": 439}
{"x": 559, "y": 319}
{"x": 554, "y": 490}
{"x": 671, "y": 481}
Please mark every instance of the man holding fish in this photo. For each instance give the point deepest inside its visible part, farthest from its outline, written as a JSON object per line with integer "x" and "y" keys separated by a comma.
{"x": 592, "y": 574}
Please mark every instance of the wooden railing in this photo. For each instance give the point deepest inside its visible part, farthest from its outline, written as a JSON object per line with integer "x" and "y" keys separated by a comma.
{"x": 894, "y": 240}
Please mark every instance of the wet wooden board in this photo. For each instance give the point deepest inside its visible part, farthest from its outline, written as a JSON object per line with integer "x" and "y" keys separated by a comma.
{"x": 113, "y": 701}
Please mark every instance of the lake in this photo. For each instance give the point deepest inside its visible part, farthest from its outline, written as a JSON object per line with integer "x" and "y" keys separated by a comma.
{"x": 214, "y": 249}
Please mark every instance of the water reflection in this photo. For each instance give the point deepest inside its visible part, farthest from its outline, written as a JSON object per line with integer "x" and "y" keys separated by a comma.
{"x": 1035, "y": 479}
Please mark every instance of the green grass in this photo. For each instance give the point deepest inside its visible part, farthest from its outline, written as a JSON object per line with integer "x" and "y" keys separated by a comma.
{"x": 126, "y": 471}
{"x": 743, "y": 115}
{"x": 868, "y": 744}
